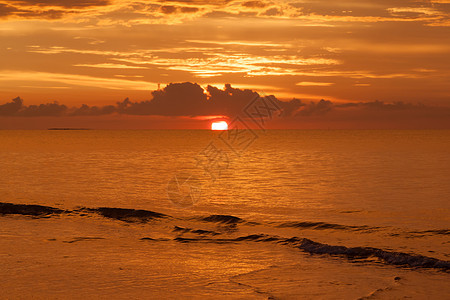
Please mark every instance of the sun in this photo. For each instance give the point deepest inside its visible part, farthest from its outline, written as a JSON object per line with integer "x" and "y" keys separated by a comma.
{"x": 222, "y": 125}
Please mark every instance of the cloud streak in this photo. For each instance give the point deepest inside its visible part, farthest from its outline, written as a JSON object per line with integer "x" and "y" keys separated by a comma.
{"x": 76, "y": 80}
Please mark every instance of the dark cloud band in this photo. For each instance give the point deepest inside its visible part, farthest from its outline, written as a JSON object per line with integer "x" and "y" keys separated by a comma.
{"x": 190, "y": 99}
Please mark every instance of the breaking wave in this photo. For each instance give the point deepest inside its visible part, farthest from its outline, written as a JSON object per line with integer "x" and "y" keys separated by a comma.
{"x": 126, "y": 214}
{"x": 222, "y": 219}
{"x": 28, "y": 210}
{"x": 192, "y": 235}
{"x": 324, "y": 225}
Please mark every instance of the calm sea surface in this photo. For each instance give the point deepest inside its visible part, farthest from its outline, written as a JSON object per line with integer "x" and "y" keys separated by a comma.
{"x": 229, "y": 205}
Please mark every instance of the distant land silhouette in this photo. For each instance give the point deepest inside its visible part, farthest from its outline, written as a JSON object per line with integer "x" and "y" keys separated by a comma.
{"x": 56, "y": 128}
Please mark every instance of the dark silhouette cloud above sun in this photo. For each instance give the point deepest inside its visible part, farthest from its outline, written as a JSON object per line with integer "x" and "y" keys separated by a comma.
{"x": 176, "y": 99}
{"x": 191, "y": 100}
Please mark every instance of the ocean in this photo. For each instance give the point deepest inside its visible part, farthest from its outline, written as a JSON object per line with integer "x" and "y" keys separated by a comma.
{"x": 199, "y": 214}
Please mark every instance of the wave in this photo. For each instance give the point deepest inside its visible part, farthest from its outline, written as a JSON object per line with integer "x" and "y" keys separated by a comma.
{"x": 312, "y": 247}
{"x": 437, "y": 231}
{"x": 122, "y": 214}
{"x": 390, "y": 257}
{"x": 324, "y": 225}
{"x": 226, "y": 219}
{"x": 126, "y": 214}
{"x": 195, "y": 231}
{"x": 83, "y": 238}
{"x": 251, "y": 237}
{"x": 209, "y": 236}
{"x": 28, "y": 210}
{"x": 156, "y": 240}
{"x": 419, "y": 234}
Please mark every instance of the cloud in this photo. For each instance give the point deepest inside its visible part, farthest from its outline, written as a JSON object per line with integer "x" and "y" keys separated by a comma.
{"x": 11, "y": 108}
{"x": 62, "y": 3}
{"x": 309, "y": 83}
{"x": 16, "y": 108}
{"x": 272, "y": 12}
{"x": 198, "y": 2}
{"x": 25, "y": 12}
{"x": 109, "y": 66}
{"x": 291, "y": 108}
{"x": 129, "y": 13}
{"x": 168, "y": 9}
{"x": 171, "y": 9}
{"x": 187, "y": 9}
{"x": 382, "y": 106}
{"x": 257, "y": 4}
{"x": 48, "y": 109}
{"x": 45, "y": 78}
{"x": 176, "y": 99}
{"x": 86, "y": 110}
{"x": 192, "y": 101}
{"x": 46, "y": 9}
{"x": 95, "y": 45}
{"x": 316, "y": 108}
{"x": 6, "y": 10}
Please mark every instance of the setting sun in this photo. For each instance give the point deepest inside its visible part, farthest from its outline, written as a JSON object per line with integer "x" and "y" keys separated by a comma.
{"x": 222, "y": 125}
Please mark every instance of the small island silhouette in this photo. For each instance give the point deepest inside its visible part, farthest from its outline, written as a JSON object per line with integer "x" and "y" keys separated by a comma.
{"x": 67, "y": 128}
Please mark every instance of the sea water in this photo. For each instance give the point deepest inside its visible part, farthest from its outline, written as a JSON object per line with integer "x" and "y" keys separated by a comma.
{"x": 276, "y": 214}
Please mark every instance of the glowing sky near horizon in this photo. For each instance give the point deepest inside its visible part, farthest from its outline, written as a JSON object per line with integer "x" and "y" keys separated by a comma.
{"x": 99, "y": 51}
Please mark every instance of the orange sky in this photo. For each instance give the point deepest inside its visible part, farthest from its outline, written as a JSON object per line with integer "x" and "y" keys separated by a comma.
{"x": 98, "y": 52}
